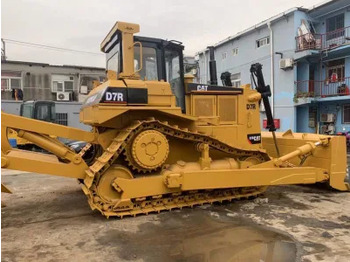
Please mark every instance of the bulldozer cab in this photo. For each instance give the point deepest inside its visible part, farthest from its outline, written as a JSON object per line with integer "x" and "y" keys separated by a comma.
{"x": 145, "y": 73}
{"x": 162, "y": 61}
{"x": 40, "y": 110}
{"x": 145, "y": 58}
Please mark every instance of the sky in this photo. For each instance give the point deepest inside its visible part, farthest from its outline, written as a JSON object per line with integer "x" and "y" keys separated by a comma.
{"x": 83, "y": 24}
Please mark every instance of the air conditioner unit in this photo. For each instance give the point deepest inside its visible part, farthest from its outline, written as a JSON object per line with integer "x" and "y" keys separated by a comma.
{"x": 286, "y": 63}
{"x": 83, "y": 90}
{"x": 328, "y": 118}
{"x": 62, "y": 96}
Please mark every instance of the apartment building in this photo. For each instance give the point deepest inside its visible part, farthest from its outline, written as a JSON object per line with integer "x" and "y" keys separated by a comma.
{"x": 305, "y": 55}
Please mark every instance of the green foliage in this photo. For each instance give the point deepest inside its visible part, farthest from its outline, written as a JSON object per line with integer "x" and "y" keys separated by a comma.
{"x": 300, "y": 94}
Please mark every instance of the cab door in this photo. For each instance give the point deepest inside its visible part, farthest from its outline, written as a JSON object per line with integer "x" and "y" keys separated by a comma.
{"x": 174, "y": 72}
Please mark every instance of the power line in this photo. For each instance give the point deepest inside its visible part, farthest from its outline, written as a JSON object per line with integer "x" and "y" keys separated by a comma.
{"x": 48, "y": 47}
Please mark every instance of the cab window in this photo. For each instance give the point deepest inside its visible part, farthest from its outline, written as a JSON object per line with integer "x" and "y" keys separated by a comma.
{"x": 173, "y": 75}
{"x": 43, "y": 112}
{"x": 27, "y": 110}
{"x": 149, "y": 69}
{"x": 113, "y": 61}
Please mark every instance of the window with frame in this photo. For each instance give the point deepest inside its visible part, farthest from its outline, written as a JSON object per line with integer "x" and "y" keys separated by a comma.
{"x": 312, "y": 117}
{"x": 336, "y": 70}
{"x": 62, "y": 119}
{"x": 11, "y": 80}
{"x": 235, "y": 51}
{"x": 263, "y": 41}
{"x": 113, "y": 63}
{"x": 224, "y": 56}
{"x": 28, "y": 110}
{"x": 149, "y": 70}
{"x": 87, "y": 83}
{"x": 334, "y": 24}
{"x": 62, "y": 83}
{"x": 236, "y": 80}
{"x": 346, "y": 114}
{"x": 43, "y": 113}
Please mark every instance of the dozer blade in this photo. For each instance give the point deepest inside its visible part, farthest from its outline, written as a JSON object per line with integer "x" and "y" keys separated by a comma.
{"x": 331, "y": 156}
{"x": 5, "y": 189}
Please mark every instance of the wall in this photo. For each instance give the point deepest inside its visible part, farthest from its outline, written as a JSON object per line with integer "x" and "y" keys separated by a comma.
{"x": 302, "y": 71}
{"x": 303, "y": 120}
{"x": 323, "y": 107}
{"x": 298, "y": 16}
{"x": 248, "y": 53}
{"x": 37, "y": 78}
{"x": 302, "y": 67}
{"x": 72, "y": 109}
{"x": 319, "y": 21}
{"x": 11, "y": 107}
{"x": 284, "y": 79}
{"x": 330, "y": 108}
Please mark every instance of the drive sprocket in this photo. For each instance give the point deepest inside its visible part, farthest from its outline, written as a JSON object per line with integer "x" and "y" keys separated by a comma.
{"x": 148, "y": 151}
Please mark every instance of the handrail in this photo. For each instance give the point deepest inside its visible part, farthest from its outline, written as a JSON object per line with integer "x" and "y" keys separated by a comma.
{"x": 323, "y": 41}
{"x": 322, "y": 88}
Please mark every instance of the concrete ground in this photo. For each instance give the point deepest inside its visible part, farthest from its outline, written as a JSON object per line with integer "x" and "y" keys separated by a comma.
{"x": 48, "y": 219}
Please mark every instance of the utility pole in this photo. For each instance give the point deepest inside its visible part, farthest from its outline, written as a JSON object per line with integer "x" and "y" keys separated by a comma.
{"x": 3, "y": 50}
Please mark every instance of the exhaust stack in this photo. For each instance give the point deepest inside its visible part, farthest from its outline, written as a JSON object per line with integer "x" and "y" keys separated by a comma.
{"x": 212, "y": 66}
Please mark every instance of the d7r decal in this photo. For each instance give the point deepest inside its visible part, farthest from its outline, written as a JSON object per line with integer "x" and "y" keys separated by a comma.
{"x": 118, "y": 95}
{"x": 115, "y": 95}
{"x": 254, "y": 138}
{"x": 251, "y": 106}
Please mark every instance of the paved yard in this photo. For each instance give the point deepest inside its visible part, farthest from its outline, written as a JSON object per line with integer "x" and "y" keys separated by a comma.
{"x": 48, "y": 219}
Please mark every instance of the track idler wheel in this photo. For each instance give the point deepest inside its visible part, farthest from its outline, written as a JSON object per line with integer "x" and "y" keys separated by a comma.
{"x": 105, "y": 189}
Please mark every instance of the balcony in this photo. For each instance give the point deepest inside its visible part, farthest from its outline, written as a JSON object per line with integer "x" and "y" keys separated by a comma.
{"x": 322, "y": 89}
{"x": 325, "y": 41}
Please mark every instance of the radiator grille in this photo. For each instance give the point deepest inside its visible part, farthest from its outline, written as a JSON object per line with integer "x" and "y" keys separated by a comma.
{"x": 204, "y": 106}
{"x": 227, "y": 108}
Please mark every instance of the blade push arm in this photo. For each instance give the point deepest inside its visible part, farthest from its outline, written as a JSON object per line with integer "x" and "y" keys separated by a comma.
{"x": 63, "y": 162}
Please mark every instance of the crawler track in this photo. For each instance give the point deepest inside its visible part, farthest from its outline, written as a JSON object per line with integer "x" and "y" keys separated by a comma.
{"x": 166, "y": 201}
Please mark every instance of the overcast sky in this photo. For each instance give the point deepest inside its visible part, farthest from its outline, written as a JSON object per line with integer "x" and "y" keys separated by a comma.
{"x": 82, "y": 24}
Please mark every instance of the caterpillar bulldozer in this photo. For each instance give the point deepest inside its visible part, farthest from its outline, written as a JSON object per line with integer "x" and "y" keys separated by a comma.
{"x": 161, "y": 142}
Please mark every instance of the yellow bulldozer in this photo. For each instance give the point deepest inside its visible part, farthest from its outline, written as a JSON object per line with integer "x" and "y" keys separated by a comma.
{"x": 161, "y": 141}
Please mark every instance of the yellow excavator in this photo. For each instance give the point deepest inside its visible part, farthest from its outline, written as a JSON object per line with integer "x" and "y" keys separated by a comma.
{"x": 35, "y": 109}
{"x": 161, "y": 141}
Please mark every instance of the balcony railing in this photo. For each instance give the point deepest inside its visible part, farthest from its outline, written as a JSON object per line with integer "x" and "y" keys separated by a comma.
{"x": 326, "y": 88}
{"x": 325, "y": 41}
